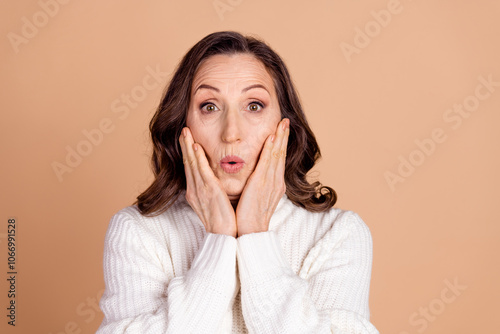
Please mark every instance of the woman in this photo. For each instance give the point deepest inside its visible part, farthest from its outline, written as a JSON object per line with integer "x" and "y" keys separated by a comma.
{"x": 230, "y": 237}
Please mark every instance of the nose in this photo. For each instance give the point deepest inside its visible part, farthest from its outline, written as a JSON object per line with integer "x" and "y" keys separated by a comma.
{"x": 231, "y": 129}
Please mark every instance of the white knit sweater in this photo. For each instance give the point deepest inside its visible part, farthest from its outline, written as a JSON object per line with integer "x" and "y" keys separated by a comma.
{"x": 309, "y": 273}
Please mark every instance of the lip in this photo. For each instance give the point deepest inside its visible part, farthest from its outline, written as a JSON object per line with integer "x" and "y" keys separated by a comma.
{"x": 231, "y": 164}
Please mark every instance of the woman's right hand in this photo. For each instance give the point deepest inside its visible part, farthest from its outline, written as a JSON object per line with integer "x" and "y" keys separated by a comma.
{"x": 204, "y": 191}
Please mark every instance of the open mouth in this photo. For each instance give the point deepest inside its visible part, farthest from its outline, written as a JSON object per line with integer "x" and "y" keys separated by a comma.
{"x": 231, "y": 164}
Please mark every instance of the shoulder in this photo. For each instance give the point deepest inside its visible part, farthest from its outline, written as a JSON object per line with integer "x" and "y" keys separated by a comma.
{"x": 349, "y": 221}
{"x": 176, "y": 220}
{"x": 126, "y": 218}
{"x": 129, "y": 220}
{"x": 348, "y": 226}
{"x": 129, "y": 212}
{"x": 338, "y": 225}
{"x": 332, "y": 219}
{"x": 126, "y": 224}
{"x": 333, "y": 226}
{"x": 129, "y": 232}
{"x": 341, "y": 237}
{"x": 132, "y": 213}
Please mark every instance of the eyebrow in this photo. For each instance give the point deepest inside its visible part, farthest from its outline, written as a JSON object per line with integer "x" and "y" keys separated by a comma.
{"x": 243, "y": 90}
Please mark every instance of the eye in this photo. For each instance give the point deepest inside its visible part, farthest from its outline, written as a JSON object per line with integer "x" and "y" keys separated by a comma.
{"x": 210, "y": 107}
{"x": 255, "y": 106}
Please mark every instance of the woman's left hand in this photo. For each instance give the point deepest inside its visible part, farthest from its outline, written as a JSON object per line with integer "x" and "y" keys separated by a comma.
{"x": 266, "y": 185}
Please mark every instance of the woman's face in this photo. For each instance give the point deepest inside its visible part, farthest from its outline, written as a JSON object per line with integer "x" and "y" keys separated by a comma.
{"x": 233, "y": 109}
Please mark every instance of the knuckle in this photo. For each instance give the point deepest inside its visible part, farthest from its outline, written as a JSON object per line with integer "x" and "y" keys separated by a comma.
{"x": 282, "y": 188}
{"x": 190, "y": 197}
{"x": 188, "y": 161}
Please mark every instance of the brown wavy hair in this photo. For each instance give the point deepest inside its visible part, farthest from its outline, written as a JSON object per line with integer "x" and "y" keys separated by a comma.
{"x": 170, "y": 117}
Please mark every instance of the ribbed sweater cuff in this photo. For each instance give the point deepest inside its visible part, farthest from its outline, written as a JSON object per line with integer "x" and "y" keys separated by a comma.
{"x": 217, "y": 255}
{"x": 260, "y": 253}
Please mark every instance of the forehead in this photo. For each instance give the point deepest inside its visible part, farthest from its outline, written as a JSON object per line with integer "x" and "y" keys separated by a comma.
{"x": 235, "y": 70}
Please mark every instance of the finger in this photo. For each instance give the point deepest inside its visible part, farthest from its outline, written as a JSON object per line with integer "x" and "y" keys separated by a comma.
{"x": 206, "y": 173}
{"x": 284, "y": 141}
{"x": 185, "y": 160}
{"x": 279, "y": 152}
{"x": 202, "y": 173}
{"x": 193, "y": 162}
{"x": 276, "y": 171}
{"x": 265, "y": 155}
{"x": 280, "y": 170}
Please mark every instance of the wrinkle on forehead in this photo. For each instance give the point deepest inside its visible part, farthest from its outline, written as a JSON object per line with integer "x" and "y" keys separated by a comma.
{"x": 233, "y": 72}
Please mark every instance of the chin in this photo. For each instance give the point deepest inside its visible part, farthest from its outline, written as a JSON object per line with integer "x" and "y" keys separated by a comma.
{"x": 233, "y": 188}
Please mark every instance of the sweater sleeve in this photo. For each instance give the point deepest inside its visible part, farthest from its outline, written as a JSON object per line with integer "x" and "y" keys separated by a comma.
{"x": 329, "y": 294}
{"x": 142, "y": 297}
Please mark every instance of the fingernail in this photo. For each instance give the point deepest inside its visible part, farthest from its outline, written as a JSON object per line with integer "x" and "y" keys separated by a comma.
{"x": 272, "y": 139}
{"x": 284, "y": 125}
{"x": 184, "y": 132}
{"x": 195, "y": 147}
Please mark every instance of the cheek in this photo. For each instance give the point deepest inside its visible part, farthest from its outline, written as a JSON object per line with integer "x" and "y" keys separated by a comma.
{"x": 203, "y": 137}
{"x": 205, "y": 140}
{"x": 259, "y": 137}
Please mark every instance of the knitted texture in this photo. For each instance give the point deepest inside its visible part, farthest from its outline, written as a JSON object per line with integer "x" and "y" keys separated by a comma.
{"x": 309, "y": 273}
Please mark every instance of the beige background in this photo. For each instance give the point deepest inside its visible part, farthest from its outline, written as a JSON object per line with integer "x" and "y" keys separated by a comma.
{"x": 369, "y": 99}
